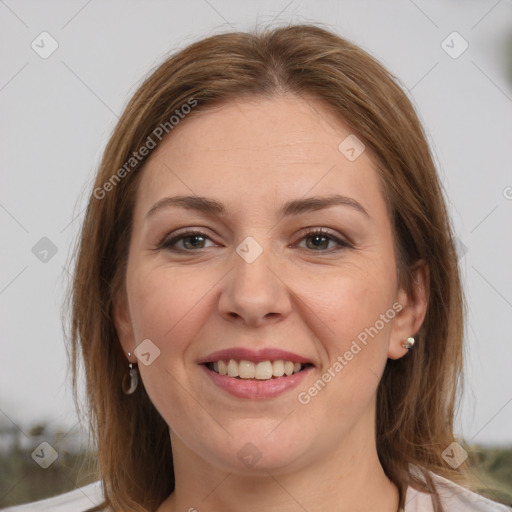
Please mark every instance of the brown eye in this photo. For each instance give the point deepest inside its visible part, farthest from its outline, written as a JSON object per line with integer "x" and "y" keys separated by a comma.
{"x": 194, "y": 242}
{"x": 319, "y": 240}
{"x": 189, "y": 242}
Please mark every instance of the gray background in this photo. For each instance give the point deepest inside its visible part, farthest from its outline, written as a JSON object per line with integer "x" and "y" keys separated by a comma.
{"x": 57, "y": 113}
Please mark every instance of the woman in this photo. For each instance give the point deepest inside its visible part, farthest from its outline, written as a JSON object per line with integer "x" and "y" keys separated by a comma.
{"x": 267, "y": 245}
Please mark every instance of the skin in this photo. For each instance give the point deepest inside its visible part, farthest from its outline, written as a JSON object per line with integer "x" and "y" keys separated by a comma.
{"x": 253, "y": 155}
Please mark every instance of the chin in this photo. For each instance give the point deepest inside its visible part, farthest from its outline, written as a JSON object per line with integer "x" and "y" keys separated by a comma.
{"x": 265, "y": 450}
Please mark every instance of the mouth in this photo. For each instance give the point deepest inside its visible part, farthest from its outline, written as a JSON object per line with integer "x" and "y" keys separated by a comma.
{"x": 263, "y": 373}
{"x": 256, "y": 380}
{"x": 244, "y": 369}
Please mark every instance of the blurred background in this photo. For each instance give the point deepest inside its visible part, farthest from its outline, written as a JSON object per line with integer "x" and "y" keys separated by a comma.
{"x": 67, "y": 71}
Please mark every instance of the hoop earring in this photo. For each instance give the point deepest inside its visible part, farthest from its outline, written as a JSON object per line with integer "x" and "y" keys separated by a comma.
{"x": 130, "y": 379}
{"x": 408, "y": 343}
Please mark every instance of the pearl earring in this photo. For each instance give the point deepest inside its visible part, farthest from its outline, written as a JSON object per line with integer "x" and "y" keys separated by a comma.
{"x": 408, "y": 343}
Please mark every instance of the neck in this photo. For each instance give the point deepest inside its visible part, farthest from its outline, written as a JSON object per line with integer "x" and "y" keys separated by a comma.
{"x": 350, "y": 478}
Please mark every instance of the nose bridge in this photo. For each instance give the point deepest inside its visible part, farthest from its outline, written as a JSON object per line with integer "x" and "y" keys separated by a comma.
{"x": 253, "y": 291}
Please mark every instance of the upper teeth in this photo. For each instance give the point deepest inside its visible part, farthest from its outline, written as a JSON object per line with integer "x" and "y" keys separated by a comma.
{"x": 263, "y": 370}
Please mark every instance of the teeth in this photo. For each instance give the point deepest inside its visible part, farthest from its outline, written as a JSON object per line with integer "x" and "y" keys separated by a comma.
{"x": 223, "y": 369}
{"x": 278, "y": 368}
{"x": 233, "y": 368}
{"x": 263, "y": 370}
{"x": 246, "y": 368}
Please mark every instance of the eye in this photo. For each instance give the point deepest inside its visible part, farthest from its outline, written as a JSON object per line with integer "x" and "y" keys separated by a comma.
{"x": 191, "y": 240}
{"x": 320, "y": 240}
{"x": 317, "y": 239}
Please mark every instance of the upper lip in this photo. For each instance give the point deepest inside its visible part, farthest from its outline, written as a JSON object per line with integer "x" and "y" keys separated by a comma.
{"x": 247, "y": 354}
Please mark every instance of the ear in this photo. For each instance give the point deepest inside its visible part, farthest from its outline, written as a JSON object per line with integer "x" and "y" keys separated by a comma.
{"x": 122, "y": 321}
{"x": 409, "y": 319}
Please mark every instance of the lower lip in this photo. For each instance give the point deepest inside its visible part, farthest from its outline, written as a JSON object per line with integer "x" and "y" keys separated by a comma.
{"x": 249, "y": 388}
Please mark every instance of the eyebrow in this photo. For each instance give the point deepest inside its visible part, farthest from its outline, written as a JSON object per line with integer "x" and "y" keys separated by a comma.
{"x": 295, "y": 207}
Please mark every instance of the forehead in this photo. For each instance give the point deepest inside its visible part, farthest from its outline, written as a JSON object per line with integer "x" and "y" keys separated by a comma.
{"x": 255, "y": 149}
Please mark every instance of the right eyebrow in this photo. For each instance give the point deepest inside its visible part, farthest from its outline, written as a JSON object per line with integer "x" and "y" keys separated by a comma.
{"x": 201, "y": 204}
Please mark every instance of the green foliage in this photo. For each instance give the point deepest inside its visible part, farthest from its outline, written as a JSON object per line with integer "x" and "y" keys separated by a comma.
{"x": 492, "y": 468}
{"x": 24, "y": 481}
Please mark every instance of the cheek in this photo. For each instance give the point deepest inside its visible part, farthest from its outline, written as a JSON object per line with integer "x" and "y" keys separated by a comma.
{"x": 348, "y": 301}
{"x": 354, "y": 313}
{"x": 165, "y": 305}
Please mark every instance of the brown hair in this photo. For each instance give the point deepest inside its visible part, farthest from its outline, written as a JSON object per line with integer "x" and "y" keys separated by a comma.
{"x": 416, "y": 396}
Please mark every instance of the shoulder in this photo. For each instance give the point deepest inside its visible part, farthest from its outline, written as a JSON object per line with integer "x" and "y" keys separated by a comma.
{"x": 78, "y": 500}
{"x": 453, "y": 497}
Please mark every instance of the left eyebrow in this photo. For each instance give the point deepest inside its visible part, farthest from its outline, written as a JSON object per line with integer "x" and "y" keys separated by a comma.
{"x": 299, "y": 206}
{"x": 295, "y": 207}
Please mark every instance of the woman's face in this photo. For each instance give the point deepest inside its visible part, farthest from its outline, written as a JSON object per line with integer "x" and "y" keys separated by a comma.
{"x": 254, "y": 278}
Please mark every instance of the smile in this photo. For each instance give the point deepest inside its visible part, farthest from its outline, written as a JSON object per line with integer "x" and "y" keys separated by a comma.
{"x": 262, "y": 370}
{"x": 251, "y": 387}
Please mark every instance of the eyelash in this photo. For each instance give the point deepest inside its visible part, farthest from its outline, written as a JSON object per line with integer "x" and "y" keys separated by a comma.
{"x": 310, "y": 232}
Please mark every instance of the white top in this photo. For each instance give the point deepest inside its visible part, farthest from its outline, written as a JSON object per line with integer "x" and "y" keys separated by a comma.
{"x": 453, "y": 497}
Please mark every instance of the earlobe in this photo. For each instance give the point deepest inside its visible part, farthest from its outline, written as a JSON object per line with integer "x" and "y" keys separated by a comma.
{"x": 409, "y": 319}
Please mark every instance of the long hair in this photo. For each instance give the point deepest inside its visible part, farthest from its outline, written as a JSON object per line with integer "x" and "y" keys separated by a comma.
{"x": 416, "y": 395}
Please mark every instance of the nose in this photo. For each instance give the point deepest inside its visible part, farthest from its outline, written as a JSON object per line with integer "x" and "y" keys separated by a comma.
{"x": 253, "y": 293}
